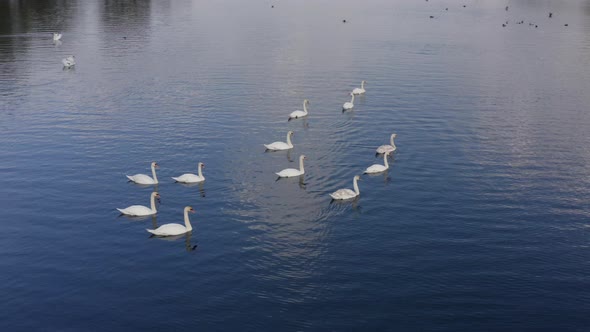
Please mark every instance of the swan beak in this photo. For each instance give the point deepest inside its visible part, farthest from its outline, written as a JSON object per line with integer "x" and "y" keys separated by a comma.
{"x": 191, "y": 211}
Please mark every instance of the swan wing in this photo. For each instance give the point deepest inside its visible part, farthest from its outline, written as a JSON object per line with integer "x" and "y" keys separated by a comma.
{"x": 289, "y": 172}
{"x": 141, "y": 179}
{"x": 343, "y": 194}
{"x": 168, "y": 230}
{"x": 137, "y": 210}
{"x": 189, "y": 178}
{"x": 297, "y": 114}
{"x": 376, "y": 168}
{"x": 385, "y": 148}
{"x": 277, "y": 146}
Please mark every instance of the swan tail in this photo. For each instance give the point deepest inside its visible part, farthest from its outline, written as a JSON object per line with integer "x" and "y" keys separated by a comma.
{"x": 153, "y": 231}
{"x": 130, "y": 178}
{"x": 176, "y": 179}
{"x": 121, "y": 210}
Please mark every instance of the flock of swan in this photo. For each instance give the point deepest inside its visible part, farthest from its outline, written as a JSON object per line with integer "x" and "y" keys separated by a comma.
{"x": 174, "y": 229}
{"x": 341, "y": 194}
{"x": 178, "y": 229}
{"x": 141, "y": 211}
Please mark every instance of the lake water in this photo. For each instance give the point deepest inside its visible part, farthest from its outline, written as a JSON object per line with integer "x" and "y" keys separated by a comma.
{"x": 481, "y": 224}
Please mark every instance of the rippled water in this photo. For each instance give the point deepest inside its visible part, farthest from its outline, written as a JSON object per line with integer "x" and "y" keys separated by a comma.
{"x": 480, "y": 224}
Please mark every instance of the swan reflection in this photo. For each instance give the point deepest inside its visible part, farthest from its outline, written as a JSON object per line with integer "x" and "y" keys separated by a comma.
{"x": 187, "y": 240}
{"x": 305, "y": 124}
{"x": 153, "y": 218}
{"x": 139, "y": 185}
{"x": 200, "y": 185}
{"x": 302, "y": 183}
{"x": 352, "y": 202}
{"x": 288, "y": 154}
{"x": 384, "y": 175}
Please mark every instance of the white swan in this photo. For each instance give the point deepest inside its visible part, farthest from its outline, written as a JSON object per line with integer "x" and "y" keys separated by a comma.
{"x": 69, "y": 62}
{"x": 192, "y": 178}
{"x": 347, "y": 193}
{"x": 175, "y": 229}
{"x": 291, "y": 172}
{"x": 349, "y": 105}
{"x": 388, "y": 148}
{"x": 56, "y": 36}
{"x": 140, "y": 210}
{"x": 361, "y": 90}
{"x": 145, "y": 179}
{"x": 299, "y": 114}
{"x": 276, "y": 146}
{"x": 377, "y": 168}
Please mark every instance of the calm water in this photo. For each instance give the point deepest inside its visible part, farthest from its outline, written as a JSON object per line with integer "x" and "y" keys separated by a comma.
{"x": 480, "y": 224}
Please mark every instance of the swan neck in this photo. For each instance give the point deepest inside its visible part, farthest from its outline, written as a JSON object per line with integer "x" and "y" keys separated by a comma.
{"x": 385, "y": 160}
{"x": 391, "y": 141}
{"x": 305, "y": 107}
{"x": 187, "y": 222}
{"x": 356, "y": 186}
{"x": 301, "y": 165}
{"x": 153, "y": 202}
{"x": 200, "y": 170}
{"x": 154, "y": 174}
{"x": 289, "y": 140}
{"x": 362, "y": 84}
{"x": 352, "y": 100}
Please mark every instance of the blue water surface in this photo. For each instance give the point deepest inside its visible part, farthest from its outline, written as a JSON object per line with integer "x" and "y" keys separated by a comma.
{"x": 481, "y": 223}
